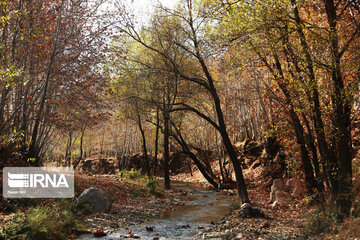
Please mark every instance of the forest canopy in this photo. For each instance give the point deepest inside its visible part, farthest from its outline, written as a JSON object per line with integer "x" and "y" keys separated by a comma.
{"x": 79, "y": 82}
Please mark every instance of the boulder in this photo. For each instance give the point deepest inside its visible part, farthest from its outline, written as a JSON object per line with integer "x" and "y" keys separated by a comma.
{"x": 250, "y": 212}
{"x": 290, "y": 184}
{"x": 296, "y": 187}
{"x": 264, "y": 154}
{"x": 282, "y": 192}
{"x": 100, "y": 200}
{"x": 299, "y": 189}
{"x": 240, "y": 145}
{"x": 278, "y": 185}
{"x": 282, "y": 196}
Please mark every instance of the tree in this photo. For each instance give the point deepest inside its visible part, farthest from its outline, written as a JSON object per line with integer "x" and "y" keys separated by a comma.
{"x": 183, "y": 31}
{"x": 50, "y": 50}
{"x": 271, "y": 32}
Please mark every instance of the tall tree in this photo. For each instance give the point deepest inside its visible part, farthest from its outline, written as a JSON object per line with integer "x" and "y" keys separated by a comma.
{"x": 183, "y": 31}
{"x": 271, "y": 32}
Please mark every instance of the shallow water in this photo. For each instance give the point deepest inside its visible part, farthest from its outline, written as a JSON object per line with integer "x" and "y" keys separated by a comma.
{"x": 202, "y": 207}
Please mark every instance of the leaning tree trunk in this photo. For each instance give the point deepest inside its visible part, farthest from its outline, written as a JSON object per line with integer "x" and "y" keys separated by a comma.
{"x": 242, "y": 191}
{"x": 197, "y": 162}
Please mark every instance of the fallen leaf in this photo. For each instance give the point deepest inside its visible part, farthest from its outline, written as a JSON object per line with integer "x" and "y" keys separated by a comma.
{"x": 149, "y": 228}
{"x": 99, "y": 233}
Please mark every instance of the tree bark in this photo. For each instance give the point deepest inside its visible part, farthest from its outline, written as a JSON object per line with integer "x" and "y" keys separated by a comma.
{"x": 33, "y": 151}
{"x": 68, "y": 150}
{"x": 327, "y": 157}
{"x": 81, "y": 149}
{"x": 295, "y": 121}
{"x": 147, "y": 162}
{"x": 156, "y": 140}
{"x": 4, "y": 94}
{"x": 197, "y": 162}
{"x": 341, "y": 119}
{"x": 166, "y": 149}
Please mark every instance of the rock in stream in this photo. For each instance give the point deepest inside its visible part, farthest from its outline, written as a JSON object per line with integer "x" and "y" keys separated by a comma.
{"x": 189, "y": 221}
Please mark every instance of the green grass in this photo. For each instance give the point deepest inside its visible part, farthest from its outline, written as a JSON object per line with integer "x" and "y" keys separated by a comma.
{"x": 53, "y": 220}
{"x": 152, "y": 188}
{"x": 134, "y": 174}
{"x": 145, "y": 185}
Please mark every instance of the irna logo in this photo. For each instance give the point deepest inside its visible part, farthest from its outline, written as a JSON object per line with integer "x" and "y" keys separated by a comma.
{"x": 42, "y": 182}
{"x": 36, "y": 180}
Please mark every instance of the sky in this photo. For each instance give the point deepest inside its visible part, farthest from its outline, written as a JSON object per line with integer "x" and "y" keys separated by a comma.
{"x": 146, "y": 4}
{"x": 144, "y": 8}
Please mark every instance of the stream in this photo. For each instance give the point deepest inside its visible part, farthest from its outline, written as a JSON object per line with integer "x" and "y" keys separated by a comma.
{"x": 201, "y": 209}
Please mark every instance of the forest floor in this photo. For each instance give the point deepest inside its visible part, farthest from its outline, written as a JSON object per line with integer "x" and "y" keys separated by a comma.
{"x": 135, "y": 208}
{"x": 296, "y": 219}
{"x": 132, "y": 203}
{"x": 286, "y": 221}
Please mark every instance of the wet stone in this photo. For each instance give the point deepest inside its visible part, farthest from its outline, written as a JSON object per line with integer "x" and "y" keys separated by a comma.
{"x": 185, "y": 222}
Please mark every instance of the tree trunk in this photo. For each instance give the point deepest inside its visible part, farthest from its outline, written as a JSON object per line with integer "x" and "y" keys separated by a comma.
{"x": 341, "y": 119}
{"x": 166, "y": 150}
{"x": 327, "y": 157}
{"x": 4, "y": 94}
{"x": 220, "y": 155}
{"x": 68, "y": 151}
{"x": 147, "y": 162}
{"x": 311, "y": 144}
{"x": 81, "y": 149}
{"x": 197, "y": 162}
{"x": 33, "y": 151}
{"x": 156, "y": 140}
{"x": 81, "y": 144}
{"x": 242, "y": 191}
{"x": 299, "y": 131}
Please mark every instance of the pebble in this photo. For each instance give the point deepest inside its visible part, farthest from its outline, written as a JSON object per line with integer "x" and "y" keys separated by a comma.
{"x": 246, "y": 205}
{"x": 239, "y": 236}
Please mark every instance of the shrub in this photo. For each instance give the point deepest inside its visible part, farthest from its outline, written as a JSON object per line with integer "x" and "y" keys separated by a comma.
{"x": 317, "y": 224}
{"x": 55, "y": 221}
{"x": 356, "y": 164}
{"x": 322, "y": 220}
{"x": 151, "y": 184}
{"x": 131, "y": 174}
